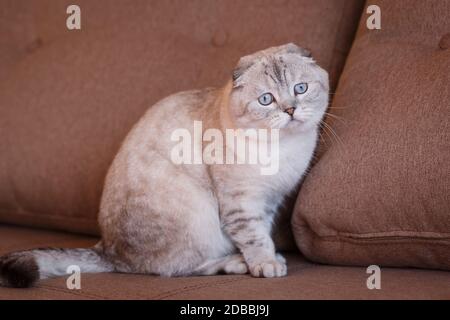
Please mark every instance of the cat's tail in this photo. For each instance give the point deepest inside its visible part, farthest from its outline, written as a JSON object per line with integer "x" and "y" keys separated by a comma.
{"x": 23, "y": 268}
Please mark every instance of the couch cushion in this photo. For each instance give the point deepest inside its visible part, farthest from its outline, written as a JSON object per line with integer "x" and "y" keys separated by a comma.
{"x": 305, "y": 280}
{"x": 380, "y": 194}
{"x": 68, "y": 98}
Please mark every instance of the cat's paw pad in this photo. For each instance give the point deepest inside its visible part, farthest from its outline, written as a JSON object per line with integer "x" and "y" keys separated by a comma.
{"x": 269, "y": 269}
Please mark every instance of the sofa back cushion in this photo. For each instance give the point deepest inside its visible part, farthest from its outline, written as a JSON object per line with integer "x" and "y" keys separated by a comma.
{"x": 68, "y": 98}
{"x": 380, "y": 194}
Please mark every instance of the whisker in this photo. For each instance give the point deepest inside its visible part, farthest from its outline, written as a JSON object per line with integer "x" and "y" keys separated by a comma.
{"x": 338, "y": 108}
{"x": 343, "y": 120}
{"x": 326, "y": 132}
{"x": 338, "y": 139}
{"x": 334, "y": 134}
{"x": 322, "y": 139}
{"x": 334, "y": 116}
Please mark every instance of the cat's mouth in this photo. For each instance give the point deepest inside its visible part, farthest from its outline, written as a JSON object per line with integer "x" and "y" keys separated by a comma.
{"x": 293, "y": 123}
{"x": 301, "y": 120}
{"x": 297, "y": 119}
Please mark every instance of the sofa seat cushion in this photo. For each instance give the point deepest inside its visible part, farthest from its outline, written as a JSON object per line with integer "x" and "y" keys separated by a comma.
{"x": 305, "y": 280}
{"x": 380, "y": 193}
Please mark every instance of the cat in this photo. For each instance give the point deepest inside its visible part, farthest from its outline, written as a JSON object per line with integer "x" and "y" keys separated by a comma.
{"x": 167, "y": 219}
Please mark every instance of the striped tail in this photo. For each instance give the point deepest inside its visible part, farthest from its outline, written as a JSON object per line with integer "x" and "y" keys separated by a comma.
{"x": 22, "y": 269}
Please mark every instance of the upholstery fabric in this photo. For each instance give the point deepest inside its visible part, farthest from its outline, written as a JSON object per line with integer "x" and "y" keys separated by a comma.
{"x": 305, "y": 280}
{"x": 380, "y": 193}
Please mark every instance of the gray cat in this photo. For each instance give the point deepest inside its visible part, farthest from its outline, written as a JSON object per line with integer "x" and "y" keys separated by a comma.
{"x": 168, "y": 219}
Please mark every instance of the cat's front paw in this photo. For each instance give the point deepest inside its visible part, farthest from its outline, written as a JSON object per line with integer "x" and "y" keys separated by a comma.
{"x": 280, "y": 258}
{"x": 269, "y": 269}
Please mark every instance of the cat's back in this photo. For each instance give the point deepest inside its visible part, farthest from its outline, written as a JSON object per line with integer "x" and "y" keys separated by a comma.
{"x": 176, "y": 111}
{"x": 184, "y": 105}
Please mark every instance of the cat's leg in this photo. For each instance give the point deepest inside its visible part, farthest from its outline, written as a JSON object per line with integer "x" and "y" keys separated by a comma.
{"x": 232, "y": 264}
{"x": 249, "y": 227}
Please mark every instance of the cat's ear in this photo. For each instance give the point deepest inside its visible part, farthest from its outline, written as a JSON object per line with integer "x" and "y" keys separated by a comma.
{"x": 293, "y": 48}
{"x": 243, "y": 65}
{"x": 247, "y": 62}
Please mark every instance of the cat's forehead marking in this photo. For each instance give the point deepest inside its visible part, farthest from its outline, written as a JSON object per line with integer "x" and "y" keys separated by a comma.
{"x": 284, "y": 73}
{"x": 271, "y": 77}
{"x": 268, "y": 73}
{"x": 276, "y": 70}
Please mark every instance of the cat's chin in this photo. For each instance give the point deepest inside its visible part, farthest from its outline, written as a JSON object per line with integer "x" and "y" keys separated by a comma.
{"x": 299, "y": 125}
{"x": 295, "y": 123}
{"x": 287, "y": 124}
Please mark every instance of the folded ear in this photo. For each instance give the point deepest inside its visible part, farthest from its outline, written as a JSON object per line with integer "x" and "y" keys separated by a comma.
{"x": 243, "y": 65}
{"x": 293, "y": 48}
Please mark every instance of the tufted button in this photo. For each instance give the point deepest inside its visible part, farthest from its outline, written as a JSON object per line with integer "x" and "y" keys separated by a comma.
{"x": 34, "y": 45}
{"x": 444, "y": 44}
{"x": 219, "y": 38}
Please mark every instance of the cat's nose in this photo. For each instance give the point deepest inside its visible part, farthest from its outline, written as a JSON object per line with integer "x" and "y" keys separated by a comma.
{"x": 290, "y": 110}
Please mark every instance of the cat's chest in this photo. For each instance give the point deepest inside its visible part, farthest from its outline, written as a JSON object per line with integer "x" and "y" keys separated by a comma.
{"x": 294, "y": 157}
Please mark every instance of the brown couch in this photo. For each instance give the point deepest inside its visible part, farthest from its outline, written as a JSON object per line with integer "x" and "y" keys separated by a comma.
{"x": 377, "y": 194}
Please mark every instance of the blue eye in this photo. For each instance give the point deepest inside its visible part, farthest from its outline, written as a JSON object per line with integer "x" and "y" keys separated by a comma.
{"x": 300, "y": 88}
{"x": 266, "y": 99}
